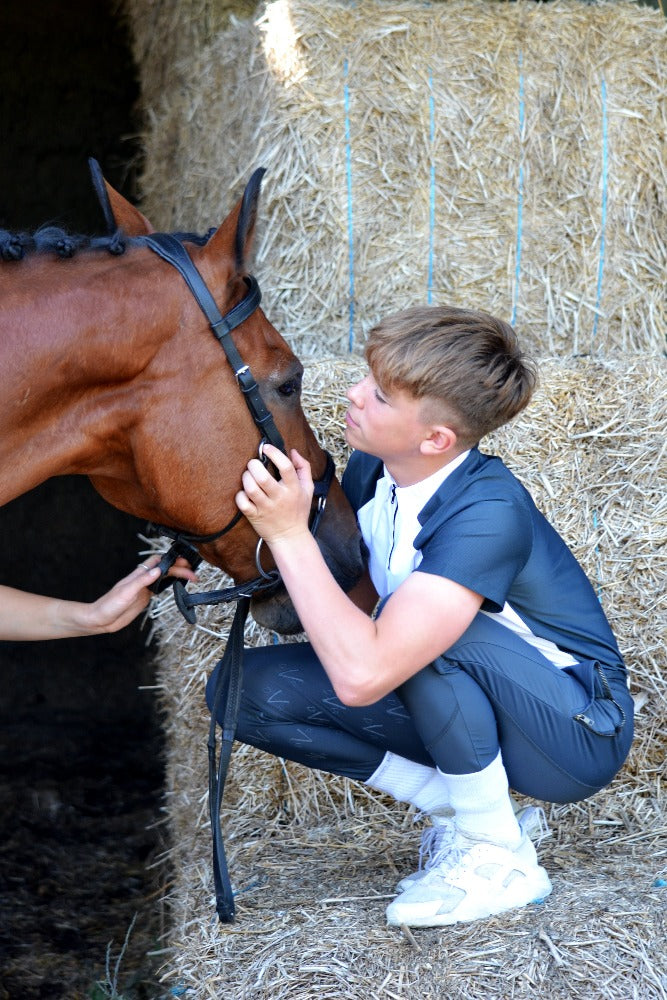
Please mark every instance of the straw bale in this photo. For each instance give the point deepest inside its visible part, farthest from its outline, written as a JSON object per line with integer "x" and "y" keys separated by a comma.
{"x": 315, "y": 858}
{"x": 165, "y": 32}
{"x": 506, "y": 156}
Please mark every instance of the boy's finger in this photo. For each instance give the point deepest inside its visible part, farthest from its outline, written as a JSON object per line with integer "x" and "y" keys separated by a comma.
{"x": 282, "y": 463}
{"x": 243, "y": 502}
{"x": 301, "y": 466}
{"x": 258, "y": 475}
{"x": 256, "y": 479}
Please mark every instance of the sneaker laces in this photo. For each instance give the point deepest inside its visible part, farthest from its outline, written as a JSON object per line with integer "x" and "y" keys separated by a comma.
{"x": 533, "y": 822}
{"x": 436, "y": 842}
{"x": 439, "y": 840}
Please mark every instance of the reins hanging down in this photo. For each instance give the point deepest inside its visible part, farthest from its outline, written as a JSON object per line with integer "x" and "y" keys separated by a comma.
{"x": 230, "y": 674}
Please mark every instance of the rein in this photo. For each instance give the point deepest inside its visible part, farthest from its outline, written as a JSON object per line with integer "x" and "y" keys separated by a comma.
{"x": 230, "y": 674}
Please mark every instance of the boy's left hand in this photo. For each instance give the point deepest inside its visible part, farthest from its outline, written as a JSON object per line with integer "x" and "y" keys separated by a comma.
{"x": 278, "y": 509}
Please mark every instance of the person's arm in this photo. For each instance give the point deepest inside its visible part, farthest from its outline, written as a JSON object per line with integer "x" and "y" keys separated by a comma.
{"x": 364, "y": 658}
{"x": 27, "y": 616}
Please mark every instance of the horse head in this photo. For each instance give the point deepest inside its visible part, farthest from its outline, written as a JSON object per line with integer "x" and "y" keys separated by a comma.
{"x": 190, "y": 434}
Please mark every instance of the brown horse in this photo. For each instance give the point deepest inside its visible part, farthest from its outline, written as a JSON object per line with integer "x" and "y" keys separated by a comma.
{"x": 110, "y": 370}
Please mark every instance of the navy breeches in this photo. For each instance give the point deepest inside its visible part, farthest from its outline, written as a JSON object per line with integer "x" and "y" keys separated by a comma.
{"x": 563, "y": 733}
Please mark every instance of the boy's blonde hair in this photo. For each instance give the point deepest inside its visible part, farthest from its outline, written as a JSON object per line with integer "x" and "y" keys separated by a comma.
{"x": 465, "y": 365}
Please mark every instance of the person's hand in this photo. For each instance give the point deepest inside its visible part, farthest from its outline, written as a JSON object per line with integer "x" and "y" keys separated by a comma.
{"x": 127, "y": 598}
{"x": 278, "y": 509}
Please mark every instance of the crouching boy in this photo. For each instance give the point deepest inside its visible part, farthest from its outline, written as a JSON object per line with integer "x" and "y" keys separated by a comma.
{"x": 476, "y": 659}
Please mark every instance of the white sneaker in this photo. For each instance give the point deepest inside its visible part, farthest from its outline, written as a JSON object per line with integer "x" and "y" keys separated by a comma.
{"x": 469, "y": 880}
{"x": 531, "y": 819}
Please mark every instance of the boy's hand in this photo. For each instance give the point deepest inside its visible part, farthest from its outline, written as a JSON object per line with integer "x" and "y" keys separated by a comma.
{"x": 278, "y": 509}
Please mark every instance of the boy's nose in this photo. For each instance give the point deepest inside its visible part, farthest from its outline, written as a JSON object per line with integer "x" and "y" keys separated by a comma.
{"x": 355, "y": 393}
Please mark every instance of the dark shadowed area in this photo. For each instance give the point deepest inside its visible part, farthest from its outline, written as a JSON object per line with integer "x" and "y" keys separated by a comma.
{"x": 80, "y": 746}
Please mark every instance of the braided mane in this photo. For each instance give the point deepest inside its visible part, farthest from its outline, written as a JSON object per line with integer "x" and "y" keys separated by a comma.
{"x": 54, "y": 240}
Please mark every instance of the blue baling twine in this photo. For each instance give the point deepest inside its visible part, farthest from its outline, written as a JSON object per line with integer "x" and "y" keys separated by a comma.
{"x": 597, "y": 554}
{"x": 350, "y": 225}
{"x": 603, "y": 221}
{"x": 431, "y": 219}
{"x": 603, "y": 218}
{"x": 519, "y": 211}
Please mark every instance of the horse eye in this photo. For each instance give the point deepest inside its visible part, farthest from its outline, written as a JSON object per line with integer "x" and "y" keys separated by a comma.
{"x": 291, "y": 387}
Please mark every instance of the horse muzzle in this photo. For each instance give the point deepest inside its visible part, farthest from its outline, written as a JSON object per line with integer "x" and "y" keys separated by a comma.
{"x": 275, "y": 611}
{"x": 272, "y": 607}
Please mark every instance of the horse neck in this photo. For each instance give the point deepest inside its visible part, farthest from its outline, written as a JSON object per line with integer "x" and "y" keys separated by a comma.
{"x": 69, "y": 348}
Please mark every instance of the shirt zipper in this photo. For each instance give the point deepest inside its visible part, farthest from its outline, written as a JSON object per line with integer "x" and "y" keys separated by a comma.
{"x": 394, "y": 504}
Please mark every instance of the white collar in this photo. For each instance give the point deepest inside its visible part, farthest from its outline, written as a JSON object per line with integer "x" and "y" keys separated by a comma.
{"x": 412, "y": 498}
{"x": 390, "y": 523}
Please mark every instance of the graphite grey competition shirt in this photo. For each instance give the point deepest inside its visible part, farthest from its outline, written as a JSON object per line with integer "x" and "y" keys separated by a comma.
{"x": 477, "y": 525}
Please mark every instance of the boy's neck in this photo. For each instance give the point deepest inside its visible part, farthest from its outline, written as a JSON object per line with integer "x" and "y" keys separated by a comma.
{"x": 409, "y": 470}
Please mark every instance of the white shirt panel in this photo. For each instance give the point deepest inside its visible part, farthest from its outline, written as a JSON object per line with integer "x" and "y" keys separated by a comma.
{"x": 389, "y": 524}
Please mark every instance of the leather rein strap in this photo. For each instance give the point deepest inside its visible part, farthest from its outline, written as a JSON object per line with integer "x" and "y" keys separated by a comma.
{"x": 230, "y": 672}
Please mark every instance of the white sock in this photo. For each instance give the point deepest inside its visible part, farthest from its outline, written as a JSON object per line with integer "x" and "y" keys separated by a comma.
{"x": 421, "y": 786}
{"x": 482, "y": 804}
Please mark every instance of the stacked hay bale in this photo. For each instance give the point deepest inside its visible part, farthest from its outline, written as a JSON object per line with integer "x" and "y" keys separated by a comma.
{"x": 505, "y": 156}
{"x": 164, "y": 35}
{"x": 314, "y": 859}
{"x": 511, "y": 155}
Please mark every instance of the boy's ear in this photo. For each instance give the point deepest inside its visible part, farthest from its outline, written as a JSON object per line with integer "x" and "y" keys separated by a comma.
{"x": 440, "y": 441}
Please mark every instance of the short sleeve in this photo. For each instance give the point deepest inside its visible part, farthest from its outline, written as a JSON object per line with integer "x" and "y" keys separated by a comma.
{"x": 482, "y": 544}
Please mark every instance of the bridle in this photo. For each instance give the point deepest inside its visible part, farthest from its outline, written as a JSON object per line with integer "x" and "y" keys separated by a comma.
{"x": 171, "y": 249}
{"x": 230, "y": 670}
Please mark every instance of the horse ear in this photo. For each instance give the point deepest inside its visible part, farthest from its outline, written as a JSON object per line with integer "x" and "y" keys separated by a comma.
{"x": 118, "y": 213}
{"x": 238, "y": 229}
{"x": 126, "y": 216}
{"x": 245, "y": 227}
